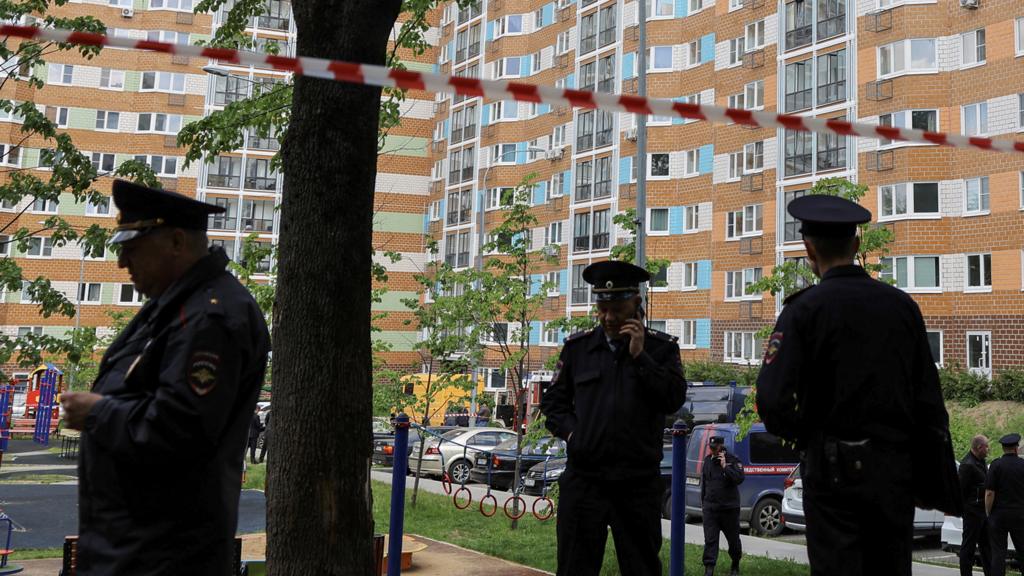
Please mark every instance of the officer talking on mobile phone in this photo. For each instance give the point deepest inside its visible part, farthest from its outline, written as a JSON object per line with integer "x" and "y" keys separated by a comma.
{"x": 720, "y": 477}
{"x": 608, "y": 400}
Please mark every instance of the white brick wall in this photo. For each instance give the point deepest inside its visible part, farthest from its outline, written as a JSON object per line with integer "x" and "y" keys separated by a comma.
{"x": 87, "y": 76}
{"x": 676, "y": 164}
{"x": 630, "y": 15}
{"x": 675, "y": 276}
{"x": 432, "y": 35}
{"x": 419, "y": 109}
{"x": 538, "y": 237}
{"x": 127, "y": 121}
{"x": 680, "y": 59}
{"x": 195, "y": 84}
{"x": 867, "y": 144}
{"x": 410, "y": 262}
{"x": 951, "y": 197}
{"x": 707, "y": 96}
{"x": 547, "y": 56}
{"x": 704, "y": 217}
{"x": 865, "y": 6}
{"x": 69, "y": 251}
{"x": 1003, "y": 114}
{"x": 771, "y": 30}
{"x": 948, "y": 49}
{"x": 191, "y": 172}
{"x": 951, "y": 271}
{"x": 770, "y": 149}
{"x": 722, "y": 55}
{"x": 721, "y": 170}
{"x": 403, "y": 183}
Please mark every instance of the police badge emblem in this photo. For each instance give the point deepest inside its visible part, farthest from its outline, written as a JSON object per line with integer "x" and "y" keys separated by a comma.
{"x": 774, "y": 345}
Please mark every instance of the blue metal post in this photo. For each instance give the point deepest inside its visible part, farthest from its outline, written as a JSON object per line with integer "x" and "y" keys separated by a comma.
{"x": 677, "y": 557}
{"x": 399, "y": 464}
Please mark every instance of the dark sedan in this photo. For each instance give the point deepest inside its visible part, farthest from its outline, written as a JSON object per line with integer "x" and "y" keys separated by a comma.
{"x": 502, "y": 461}
{"x": 384, "y": 446}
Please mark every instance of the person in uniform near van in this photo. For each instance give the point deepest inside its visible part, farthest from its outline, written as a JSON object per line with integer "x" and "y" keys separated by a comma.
{"x": 972, "y": 472}
{"x": 1004, "y": 503}
{"x": 165, "y": 426}
{"x": 848, "y": 377}
{"x": 255, "y": 427}
{"x": 720, "y": 477}
{"x": 608, "y": 400}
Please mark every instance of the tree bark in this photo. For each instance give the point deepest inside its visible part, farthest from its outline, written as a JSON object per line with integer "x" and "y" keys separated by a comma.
{"x": 319, "y": 505}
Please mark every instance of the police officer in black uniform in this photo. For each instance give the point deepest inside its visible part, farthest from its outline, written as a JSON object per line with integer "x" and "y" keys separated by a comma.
{"x": 1004, "y": 503}
{"x": 608, "y": 401}
{"x": 848, "y": 377}
{"x": 972, "y": 472}
{"x": 720, "y": 477}
{"x": 165, "y": 426}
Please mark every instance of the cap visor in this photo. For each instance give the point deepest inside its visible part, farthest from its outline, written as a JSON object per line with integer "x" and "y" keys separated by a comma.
{"x": 125, "y": 235}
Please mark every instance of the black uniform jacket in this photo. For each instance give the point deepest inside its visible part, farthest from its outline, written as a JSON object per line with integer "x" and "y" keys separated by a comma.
{"x": 972, "y": 484}
{"x": 719, "y": 487}
{"x": 1006, "y": 479}
{"x": 161, "y": 454}
{"x": 614, "y": 405}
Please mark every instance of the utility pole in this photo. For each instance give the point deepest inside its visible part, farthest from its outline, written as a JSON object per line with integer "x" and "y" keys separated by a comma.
{"x": 641, "y": 147}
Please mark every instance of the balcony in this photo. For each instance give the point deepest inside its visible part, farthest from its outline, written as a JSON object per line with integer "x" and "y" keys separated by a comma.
{"x": 799, "y": 37}
{"x": 257, "y": 225}
{"x": 223, "y": 181}
{"x": 581, "y": 243}
{"x": 878, "y": 90}
{"x": 606, "y": 85}
{"x": 880, "y": 161}
{"x": 606, "y": 37}
{"x": 602, "y": 189}
{"x": 273, "y": 23}
{"x": 878, "y": 20}
{"x": 754, "y": 59}
{"x": 221, "y": 222}
{"x": 261, "y": 183}
{"x": 752, "y": 182}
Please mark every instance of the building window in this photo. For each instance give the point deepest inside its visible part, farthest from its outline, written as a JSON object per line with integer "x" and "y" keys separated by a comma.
{"x": 976, "y": 195}
{"x": 1020, "y": 111}
{"x": 908, "y": 199}
{"x": 907, "y": 56}
{"x": 745, "y": 222}
{"x": 585, "y": 130}
{"x": 588, "y": 33}
{"x": 580, "y": 288}
{"x": 158, "y": 123}
{"x": 603, "y": 178}
{"x": 799, "y": 23}
{"x": 689, "y": 276}
{"x": 168, "y": 82}
{"x": 661, "y": 9}
{"x": 607, "y": 34}
{"x": 912, "y": 272}
{"x": 973, "y": 47}
{"x": 227, "y": 220}
{"x": 1020, "y": 36}
{"x": 691, "y": 164}
{"x": 737, "y": 282}
{"x": 584, "y": 181}
{"x": 128, "y": 295}
{"x": 24, "y": 331}
{"x": 831, "y": 77}
{"x": 603, "y": 129}
{"x": 509, "y": 68}
{"x": 975, "y": 119}
{"x": 754, "y": 36}
{"x": 180, "y": 5}
{"x": 39, "y": 247}
{"x": 45, "y": 206}
{"x": 799, "y": 85}
{"x": 657, "y": 221}
{"x": 831, "y": 152}
{"x": 509, "y": 25}
{"x": 99, "y": 208}
{"x": 735, "y": 165}
{"x": 979, "y": 352}
{"x": 753, "y": 157}
{"x": 161, "y": 165}
{"x": 562, "y": 44}
{"x": 225, "y": 172}
{"x": 257, "y": 216}
{"x": 89, "y": 293}
{"x": 557, "y": 185}
{"x": 553, "y": 233}
{"x": 658, "y": 166}
{"x": 798, "y": 153}
{"x": 581, "y": 232}
{"x": 927, "y": 120}
{"x": 167, "y": 36}
{"x": 111, "y": 79}
{"x": 601, "y": 236}
{"x": 742, "y": 348}
{"x": 935, "y": 344}
{"x": 791, "y": 226}
{"x": 63, "y": 74}
{"x": 693, "y": 54}
{"x": 660, "y": 59}
{"x": 606, "y": 74}
{"x": 103, "y": 162}
{"x": 979, "y": 272}
{"x": 831, "y": 18}
{"x": 736, "y": 50}
{"x": 107, "y": 120}
{"x": 691, "y": 218}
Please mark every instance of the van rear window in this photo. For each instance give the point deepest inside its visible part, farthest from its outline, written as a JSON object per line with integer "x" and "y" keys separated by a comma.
{"x": 767, "y": 448}
{"x": 693, "y": 446}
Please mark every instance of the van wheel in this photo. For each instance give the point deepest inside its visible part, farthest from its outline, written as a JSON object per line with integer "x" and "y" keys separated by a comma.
{"x": 766, "y": 518}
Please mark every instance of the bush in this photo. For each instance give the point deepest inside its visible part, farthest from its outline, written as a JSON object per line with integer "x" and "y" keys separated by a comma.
{"x": 1009, "y": 385}
{"x": 720, "y": 373}
{"x": 963, "y": 385}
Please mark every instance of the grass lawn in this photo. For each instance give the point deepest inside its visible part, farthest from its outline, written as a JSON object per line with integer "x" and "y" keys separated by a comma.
{"x": 38, "y": 479}
{"x": 533, "y": 543}
{"x": 255, "y": 477}
{"x": 36, "y": 554}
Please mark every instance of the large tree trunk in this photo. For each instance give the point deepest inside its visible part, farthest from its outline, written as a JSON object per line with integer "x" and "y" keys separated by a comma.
{"x": 319, "y": 514}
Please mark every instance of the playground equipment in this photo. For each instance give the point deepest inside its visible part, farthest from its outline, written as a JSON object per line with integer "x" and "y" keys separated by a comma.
{"x": 40, "y": 413}
{"x": 6, "y": 550}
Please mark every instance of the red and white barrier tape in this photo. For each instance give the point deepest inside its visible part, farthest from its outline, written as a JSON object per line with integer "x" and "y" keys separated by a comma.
{"x": 502, "y": 90}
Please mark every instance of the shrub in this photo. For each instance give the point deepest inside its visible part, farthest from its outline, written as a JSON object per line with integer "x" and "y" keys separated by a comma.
{"x": 720, "y": 373}
{"x": 1009, "y": 385}
{"x": 963, "y": 385}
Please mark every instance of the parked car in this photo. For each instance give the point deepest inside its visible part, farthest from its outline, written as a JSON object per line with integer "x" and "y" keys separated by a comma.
{"x": 502, "y": 461}
{"x": 542, "y": 476}
{"x": 709, "y": 403}
{"x": 766, "y": 463}
{"x": 384, "y": 446}
{"x": 926, "y": 522}
{"x": 455, "y": 451}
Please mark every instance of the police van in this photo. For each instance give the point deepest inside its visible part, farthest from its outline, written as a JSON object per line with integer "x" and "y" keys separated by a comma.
{"x": 766, "y": 464}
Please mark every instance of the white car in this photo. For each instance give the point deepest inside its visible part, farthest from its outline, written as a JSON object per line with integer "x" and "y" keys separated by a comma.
{"x": 455, "y": 451}
{"x": 926, "y": 522}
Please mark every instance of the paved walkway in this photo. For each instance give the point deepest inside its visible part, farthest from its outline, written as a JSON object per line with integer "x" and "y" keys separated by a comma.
{"x": 752, "y": 545}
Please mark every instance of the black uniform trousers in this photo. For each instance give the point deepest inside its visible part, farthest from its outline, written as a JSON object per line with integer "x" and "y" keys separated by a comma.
{"x": 1005, "y": 523}
{"x": 975, "y": 537}
{"x": 587, "y": 506}
{"x": 728, "y": 522}
{"x": 252, "y": 449}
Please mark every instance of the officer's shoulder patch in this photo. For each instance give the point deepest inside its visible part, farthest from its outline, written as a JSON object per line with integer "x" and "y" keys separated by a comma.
{"x": 577, "y": 335}
{"x": 796, "y": 295}
{"x": 661, "y": 335}
{"x": 202, "y": 372}
{"x": 774, "y": 345}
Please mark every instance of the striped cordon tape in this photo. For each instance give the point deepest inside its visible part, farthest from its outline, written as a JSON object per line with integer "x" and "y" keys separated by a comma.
{"x": 502, "y": 90}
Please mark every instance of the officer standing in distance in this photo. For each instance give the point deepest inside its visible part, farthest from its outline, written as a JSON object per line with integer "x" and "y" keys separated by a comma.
{"x": 165, "y": 426}
{"x": 848, "y": 376}
{"x": 720, "y": 477}
{"x": 972, "y": 472}
{"x": 1004, "y": 503}
{"x": 608, "y": 400}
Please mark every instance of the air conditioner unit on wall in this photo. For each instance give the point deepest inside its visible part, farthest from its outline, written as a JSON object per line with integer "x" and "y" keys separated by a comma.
{"x": 555, "y": 154}
{"x": 970, "y": 3}
{"x": 631, "y": 134}
{"x": 127, "y": 12}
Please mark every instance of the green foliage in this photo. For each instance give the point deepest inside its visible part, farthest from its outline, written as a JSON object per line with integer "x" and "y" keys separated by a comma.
{"x": 965, "y": 423}
{"x": 1009, "y": 385}
{"x": 626, "y": 252}
{"x": 970, "y": 389}
{"x": 720, "y": 373}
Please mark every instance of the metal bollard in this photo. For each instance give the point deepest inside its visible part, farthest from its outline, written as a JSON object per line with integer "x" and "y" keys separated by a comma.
{"x": 677, "y": 557}
{"x": 398, "y": 467}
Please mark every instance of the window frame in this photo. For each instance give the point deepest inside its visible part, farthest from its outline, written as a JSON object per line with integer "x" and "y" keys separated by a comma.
{"x": 986, "y": 341}
{"x": 651, "y": 231}
{"x": 984, "y": 272}
{"x": 652, "y": 60}
{"x": 910, "y": 261}
{"x": 980, "y": 118}
{"x": 984, "y": 196}
{"x": 667, "y": 167}
{"x": 749, "y": 347}
{"x": 906, "y": 47}
{"x": 979, "y": 45}
{"x": 910, "y": 202}
{"x": 691, "y": 269}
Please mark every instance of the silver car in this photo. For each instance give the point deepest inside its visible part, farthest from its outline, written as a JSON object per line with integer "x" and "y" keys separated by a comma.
{"x": 455, "y": 451}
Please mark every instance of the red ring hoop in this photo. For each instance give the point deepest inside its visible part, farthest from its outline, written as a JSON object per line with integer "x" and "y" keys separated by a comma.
{"x": 551, "y": 508}
{"x": 493, "y": 510}
{"x": 522, "y": 508}
{"x": 446, "y": 484}
{"x": 469, "y": 498}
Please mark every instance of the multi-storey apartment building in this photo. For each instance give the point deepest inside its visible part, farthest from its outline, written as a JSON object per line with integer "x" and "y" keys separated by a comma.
{"x": 716, "y": 194}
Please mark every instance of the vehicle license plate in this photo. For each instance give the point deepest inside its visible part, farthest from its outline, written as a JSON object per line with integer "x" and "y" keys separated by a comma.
{"x": 530, "y": 482}
{"x": 693, "y": 481}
